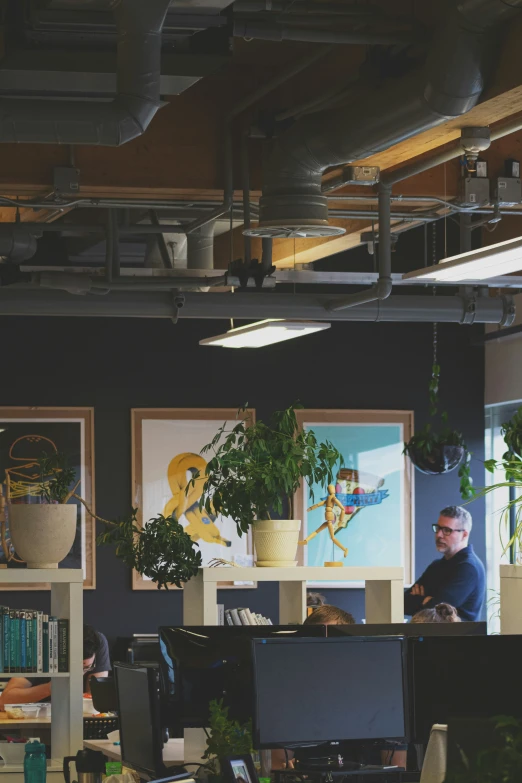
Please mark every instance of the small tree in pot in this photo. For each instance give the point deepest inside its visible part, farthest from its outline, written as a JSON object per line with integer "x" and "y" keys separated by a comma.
{"x": 254, "y": 473}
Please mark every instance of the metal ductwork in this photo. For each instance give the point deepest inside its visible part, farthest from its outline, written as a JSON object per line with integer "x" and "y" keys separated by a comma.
{"x": 16, "y": 243}
{"x": 200, "y": 247}
{"x": 139, "y": 25}
{"x": 449, "y": 86}
{"x": 254, "y": 306}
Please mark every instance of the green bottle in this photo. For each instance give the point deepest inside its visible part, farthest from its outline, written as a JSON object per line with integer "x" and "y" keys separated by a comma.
{"x": 35, "y": 762}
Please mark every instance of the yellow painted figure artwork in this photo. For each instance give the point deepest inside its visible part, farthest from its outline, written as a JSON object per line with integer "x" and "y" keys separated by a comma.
{"x": 201, "y": 526}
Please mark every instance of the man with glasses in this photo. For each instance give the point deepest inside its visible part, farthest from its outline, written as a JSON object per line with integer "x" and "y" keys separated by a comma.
{"x": 458, "y": 577}
{"x": 96, "y": 663}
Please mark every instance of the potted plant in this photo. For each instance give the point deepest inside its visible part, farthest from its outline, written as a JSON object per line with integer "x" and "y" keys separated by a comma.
{"x": 437, "y": 452}
{"x": 42, "y": 534}
{"x": 225, "y": 737}
{"x": 501, "y": 762}
{"x": 511, "y": 431}
{"x": 254, "y": 473}
{"x": 161, "y": 550}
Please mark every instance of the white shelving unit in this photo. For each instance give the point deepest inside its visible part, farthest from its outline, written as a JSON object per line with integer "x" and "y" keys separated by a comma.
{"x": 510, "y": 599}
{"x": 67, "y": 689}
{"x": 384, "y": 591}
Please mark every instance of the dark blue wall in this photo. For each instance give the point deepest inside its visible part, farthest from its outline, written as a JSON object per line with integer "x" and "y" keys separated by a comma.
{"x": 115, "y": 365}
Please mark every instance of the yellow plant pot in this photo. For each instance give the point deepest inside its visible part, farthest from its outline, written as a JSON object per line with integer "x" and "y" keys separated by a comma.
{"x": 275, "y": 541}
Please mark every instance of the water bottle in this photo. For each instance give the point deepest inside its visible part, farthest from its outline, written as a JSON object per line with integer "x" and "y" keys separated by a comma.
{"x": 35, "y": 762}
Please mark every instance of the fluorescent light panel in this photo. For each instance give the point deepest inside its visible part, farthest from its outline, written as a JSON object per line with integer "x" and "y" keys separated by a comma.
{"x": 504, "y": 258}
{"x": 264, "y": 333}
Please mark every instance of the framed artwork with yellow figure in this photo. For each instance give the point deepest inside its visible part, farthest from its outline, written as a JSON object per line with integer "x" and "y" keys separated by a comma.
{"x": 166, "y": 455}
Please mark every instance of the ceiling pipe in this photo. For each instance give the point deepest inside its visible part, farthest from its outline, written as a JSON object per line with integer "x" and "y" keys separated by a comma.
{"x": 254, "y": 306}
{"x": 263, "y": 31}
{"x": 17, "y": 243}
{"x": 139, "y": 25}
{"x": 450, "y": 85}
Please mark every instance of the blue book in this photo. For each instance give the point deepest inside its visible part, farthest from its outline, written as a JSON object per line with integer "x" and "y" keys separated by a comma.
{"x": 6, "y": 622}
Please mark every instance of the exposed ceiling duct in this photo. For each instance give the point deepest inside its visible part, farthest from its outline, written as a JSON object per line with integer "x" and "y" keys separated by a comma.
{"x": 16, "y": 243}
{"x": 254, "y": 306}
{"x": 449, "y": 86}
{"x": 139, "y": 25}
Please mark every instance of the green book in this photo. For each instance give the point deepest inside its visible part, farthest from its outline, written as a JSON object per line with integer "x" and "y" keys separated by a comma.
{"x": 24, "y": 662}
{"x": 29, "y": 641}
{"x": 2, "y": 665}
{"x": 63, "y": 645}
{"x": 39, "y": 642}
{"x": 6, "y": 622}
{"x": 12, "y": 640}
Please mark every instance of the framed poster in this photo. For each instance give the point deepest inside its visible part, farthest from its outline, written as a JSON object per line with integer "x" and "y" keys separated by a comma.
{"x": 25, "y": 434}
{"x": 374, "y": 519}
{"x": 166, "y": 454}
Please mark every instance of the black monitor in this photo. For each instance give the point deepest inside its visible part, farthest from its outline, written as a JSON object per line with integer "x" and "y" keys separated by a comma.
{"x": 141, "y": 735}
{"x": 461, "y": 677}
{"x": 409, "y": 629}
{"x": 312, "y": 691}
{"x": 103, "y": 691}
{"x": 202, "y": 663}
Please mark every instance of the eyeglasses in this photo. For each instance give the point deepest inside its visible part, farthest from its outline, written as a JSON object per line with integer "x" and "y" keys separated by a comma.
{"x": 446, "y": 531}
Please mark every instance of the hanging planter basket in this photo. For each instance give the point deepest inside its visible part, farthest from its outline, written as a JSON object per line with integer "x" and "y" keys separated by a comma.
{"x": 442, "y": 459}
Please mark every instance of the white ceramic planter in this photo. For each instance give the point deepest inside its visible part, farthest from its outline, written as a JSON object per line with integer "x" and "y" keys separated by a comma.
{"x": 275, "y": 541}
{"x": 42, "y": 534}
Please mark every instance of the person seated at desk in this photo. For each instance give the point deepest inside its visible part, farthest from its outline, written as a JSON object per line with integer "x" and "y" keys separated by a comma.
{"x": 442, "y": 613}
{"x": 96, "y": 663}
{"x": 329, "y": 615}
{"x": 458, "y": 577}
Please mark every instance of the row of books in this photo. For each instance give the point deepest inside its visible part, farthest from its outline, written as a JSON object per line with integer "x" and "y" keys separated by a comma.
{"x": 244, "y": 616}
{"x": 31, "y": 641}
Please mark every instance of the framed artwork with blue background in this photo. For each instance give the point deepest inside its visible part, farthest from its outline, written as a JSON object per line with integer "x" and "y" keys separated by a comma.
{"x": 374, "y": 484}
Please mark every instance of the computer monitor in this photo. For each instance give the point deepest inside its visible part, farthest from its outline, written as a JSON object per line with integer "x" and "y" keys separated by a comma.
{"x": 103, "y": 692}
{"x": 202, "y": 663}
{"x": 461, "y": 677}
{"x": 312, "y": 691}
{"x": 409, "y": 629}
{"x": 141, "y": 738}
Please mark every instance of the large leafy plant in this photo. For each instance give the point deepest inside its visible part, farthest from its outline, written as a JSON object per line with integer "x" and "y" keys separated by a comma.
{"x": 255, "y": 469}
{"x": 226, "y": 737}
{"x": 500, "y": 763}
{"x": 160, "y": 550}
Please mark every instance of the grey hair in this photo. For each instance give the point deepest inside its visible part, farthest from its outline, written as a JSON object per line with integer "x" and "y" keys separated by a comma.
{"x": 459, "y": 513}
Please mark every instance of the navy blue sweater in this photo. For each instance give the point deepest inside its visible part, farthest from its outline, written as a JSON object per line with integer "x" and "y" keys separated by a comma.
{"x": 459, "y": 581}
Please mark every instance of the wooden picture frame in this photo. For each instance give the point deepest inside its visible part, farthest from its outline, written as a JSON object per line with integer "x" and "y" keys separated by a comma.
{"x": 26, "y": 432}
{"x": 390, "y": 514}
{"x": 158, "y": 474}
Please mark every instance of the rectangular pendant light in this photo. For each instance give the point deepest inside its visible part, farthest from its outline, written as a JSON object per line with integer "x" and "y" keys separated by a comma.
{"x": 264, "y": 333}
{"x": 489, "y": 262}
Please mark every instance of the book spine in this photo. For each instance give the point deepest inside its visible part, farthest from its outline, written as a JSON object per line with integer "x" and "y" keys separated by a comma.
{"x": 251, "y": 617}
{"x": 6, "y": 622}
{"x": 34, "y": 641}
{"x": 2, "y": 611}
{"x": 39, "y": 642}
{"x": 235, "y": 617}
{"x": 45, "y": 643}
{"x": 228, "y": 618}
{"x": 23, "y": 643}
{"x": 243, "y": 617}
{"x": 31, "y": 659}
{"x": 51, "y": 655}
{"x": 63, "y": 645}
{"x": 221, "y": 614}
{"x": 12, "y": 640}
{"x": 55, "y": 645}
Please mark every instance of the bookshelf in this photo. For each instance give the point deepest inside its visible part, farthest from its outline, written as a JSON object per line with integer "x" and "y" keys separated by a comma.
{"x": 384, "y": 591}
{"x": 67, "y": 690}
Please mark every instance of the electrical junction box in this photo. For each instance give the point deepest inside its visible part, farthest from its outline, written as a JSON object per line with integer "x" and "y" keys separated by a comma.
{"x": 66, "y": 180}
{"x": 473, "y": 191}
{"x": 508, "y": 191}
{"x": 361, "y": 175}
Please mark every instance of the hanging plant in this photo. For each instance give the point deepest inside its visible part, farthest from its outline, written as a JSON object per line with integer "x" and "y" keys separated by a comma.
{"x": 511, "y": 431}
{"x": 438, "y": 451}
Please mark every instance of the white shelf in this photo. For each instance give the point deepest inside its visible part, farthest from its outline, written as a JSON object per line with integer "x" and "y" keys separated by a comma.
{"x": 32, "y": 675}
{"x": 302, "y": 574}
{"x": 384, "y": 591}
{"x": 36, "y": 575}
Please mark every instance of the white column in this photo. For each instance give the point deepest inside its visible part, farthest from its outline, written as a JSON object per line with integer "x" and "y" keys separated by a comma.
{"x": 200, "y": 601}
{"x": 384, "y": 601}
{"x": 292, "y": 602}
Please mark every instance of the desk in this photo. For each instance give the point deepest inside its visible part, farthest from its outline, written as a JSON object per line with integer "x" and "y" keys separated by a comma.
{"x": 172, "y": 752}
{"x": 22, "y": 723}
